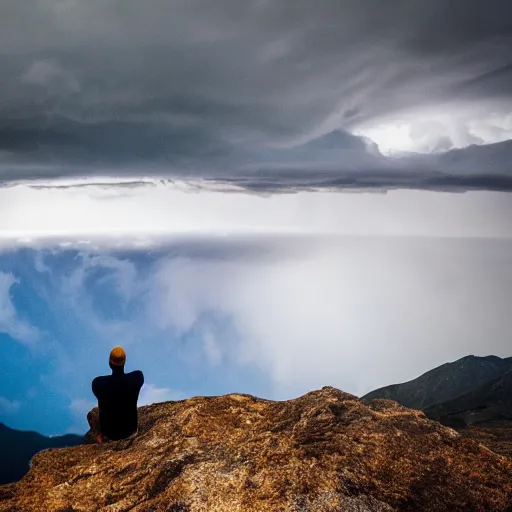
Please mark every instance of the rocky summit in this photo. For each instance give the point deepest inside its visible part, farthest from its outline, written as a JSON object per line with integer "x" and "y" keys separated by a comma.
{"x": 325, "y": 451}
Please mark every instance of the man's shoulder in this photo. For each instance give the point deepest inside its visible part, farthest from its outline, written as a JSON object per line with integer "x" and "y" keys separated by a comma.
{"x": 136, "y": 372}
{"x": 100, "y": 379}
{"x": 99, "y": 384}
{"x": 136, "y": 375}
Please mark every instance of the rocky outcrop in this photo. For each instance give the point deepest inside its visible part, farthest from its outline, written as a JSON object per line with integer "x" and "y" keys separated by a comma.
{"x": 496, "y": 435}
{"x": 323, "y": 452}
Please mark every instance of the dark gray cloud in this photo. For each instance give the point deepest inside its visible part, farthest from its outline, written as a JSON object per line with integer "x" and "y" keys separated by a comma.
{"x": 248, "y": 91}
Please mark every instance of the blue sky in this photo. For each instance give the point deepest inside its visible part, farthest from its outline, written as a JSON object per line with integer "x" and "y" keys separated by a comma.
{"x": 75, "y": 320}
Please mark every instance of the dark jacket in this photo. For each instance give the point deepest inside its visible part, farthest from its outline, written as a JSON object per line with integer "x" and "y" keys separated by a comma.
{"x": 117, "y": 396}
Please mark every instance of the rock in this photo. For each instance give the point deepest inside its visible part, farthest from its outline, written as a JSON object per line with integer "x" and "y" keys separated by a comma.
{"x": 323, "y": 452}
{"x": 496, "y": 435}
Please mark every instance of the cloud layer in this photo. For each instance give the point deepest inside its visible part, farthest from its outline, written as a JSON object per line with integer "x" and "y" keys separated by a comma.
{"x": 248, "y": 93}
{"x": 147, "y": 213}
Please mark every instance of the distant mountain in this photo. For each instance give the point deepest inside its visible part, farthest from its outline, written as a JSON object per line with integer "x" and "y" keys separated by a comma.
{"x": 446, "y": 382}
{"x": 491, "y": 401}
{"x": 17, "y": 447}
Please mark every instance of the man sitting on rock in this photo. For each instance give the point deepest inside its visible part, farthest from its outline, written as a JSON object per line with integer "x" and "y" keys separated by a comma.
{"x": 116, "y": 415}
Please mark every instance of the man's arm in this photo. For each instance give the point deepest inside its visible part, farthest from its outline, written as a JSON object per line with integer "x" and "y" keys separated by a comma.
{"x": 140, "y": 378}
{"x": 136, "y": 380}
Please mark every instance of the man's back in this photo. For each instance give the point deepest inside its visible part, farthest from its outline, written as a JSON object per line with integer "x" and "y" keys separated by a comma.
{"x": 117, "y": 396}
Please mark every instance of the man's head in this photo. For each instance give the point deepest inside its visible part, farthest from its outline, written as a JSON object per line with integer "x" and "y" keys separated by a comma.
{"x": 117, "y": 357}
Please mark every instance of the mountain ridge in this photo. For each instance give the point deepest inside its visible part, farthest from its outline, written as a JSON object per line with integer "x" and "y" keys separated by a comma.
{"x": 490, "y": 401}
{"x": 19, "y": 446}
{"x": 445, "y": 382}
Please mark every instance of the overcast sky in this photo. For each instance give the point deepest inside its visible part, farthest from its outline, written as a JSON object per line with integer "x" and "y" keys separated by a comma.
{"x": 283, "y": 92}
{"x": 275, "y": 195}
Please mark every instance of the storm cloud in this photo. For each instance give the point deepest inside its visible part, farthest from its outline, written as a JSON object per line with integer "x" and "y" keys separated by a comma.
{"x": 268, "y": 96}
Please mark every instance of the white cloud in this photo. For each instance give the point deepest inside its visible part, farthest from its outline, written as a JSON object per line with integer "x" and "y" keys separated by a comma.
{"x": 353, "y": 312}
{"x": 10, "y": 322}
{"x": 212, "y": 348}
{"x": 440, "y": 128}
{"x": 52, "y": 76}
{"x": 150, "y": 394}
{"x": 121, "y": 278}
{"x": 81, "y": 406}
{"x": 163, "y": 210}
{"x": 9, "y": 406}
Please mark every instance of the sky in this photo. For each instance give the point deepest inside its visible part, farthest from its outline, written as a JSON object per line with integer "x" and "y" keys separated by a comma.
{"x": 257, "y": 197}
